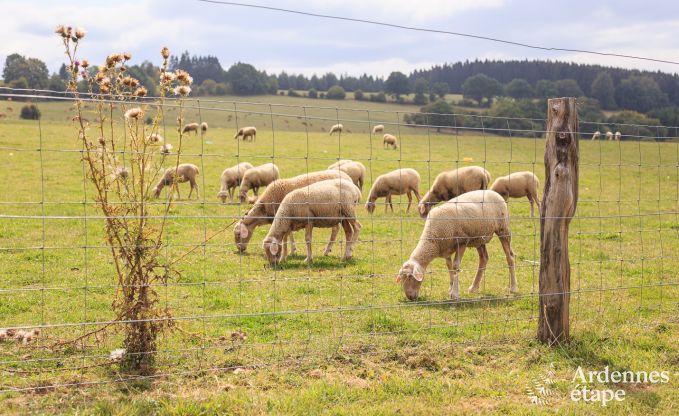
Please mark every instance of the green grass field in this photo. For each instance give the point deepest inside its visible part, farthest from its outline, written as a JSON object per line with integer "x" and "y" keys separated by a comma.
{"x": 336, "y": 337}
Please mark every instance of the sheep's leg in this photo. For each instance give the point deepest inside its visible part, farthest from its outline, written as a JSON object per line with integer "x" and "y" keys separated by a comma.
{"x": 410, "y": 201}
{"x": 391, "y": 205}
{"x": 307, "y": 235}
{"x": 194, "y": 185}
{"x": 417, "y": 195}
{"x": 284, "y": 255}
{"x": 175, "y": 187}
{"x": 509, "y": 254}
{"x": 530, "y": 200}
{"x": 387, "y": 202}
{"x": 454, "y": 271}
{"x": 483, "y": 260}
{"x": 537, "y": 202}
{"x": 333, "y": 238}
{"x": 293, "y": 245}
{"x": 348, "y": 235}
{"x": 255, "y": 190}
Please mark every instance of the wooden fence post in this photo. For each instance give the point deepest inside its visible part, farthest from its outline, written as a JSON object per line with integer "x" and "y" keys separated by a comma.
{"x": 559, "y": 200}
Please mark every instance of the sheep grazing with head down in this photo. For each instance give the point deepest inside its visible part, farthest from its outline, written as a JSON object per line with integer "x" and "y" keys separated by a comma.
{"x": 519, "y": 185}
{"x": 397, "y": 182}
{"x": 191, "y": 127}
{"x": 389, "y": 140}
{"x": 264, "y": 209}
{"x": 356, "y": 170}
{"x": 231, "y": 178}
{"x": 246, "y": 133}
{"x": 185, "y": 172}
{"x": 617, "y": 136}
{"x": 449, "y": 184}
{"x": 609, "y": 135}
{"x": 596, "y": 135}
{"x": 322, "y": 204}
{"x": 337, "y": 128}
{"x": 256, "y": 177}
{"x": 378, "y": 128}
{"x": 470, "y": 220}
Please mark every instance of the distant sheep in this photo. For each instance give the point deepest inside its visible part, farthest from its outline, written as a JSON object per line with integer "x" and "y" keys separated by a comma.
{"x": 191, "y": 127}
{"x": 378, "y": 128}
{"x": 452, "y": 183}
{"x": 185, "y": 172}
{"x": 256, "y": 177}
{"x": 617, "y": 136}
{"x": 609, "y": 135}
{"x": 397, "y": 182}
{"x": 355, "y": 170}
{"x": 203, "y": 127}
{"x": 246, "y": 133}
{"x": 596, "y": 135}
{"x": 519, "y": 185}
{"x": 389, "y": 140}
{"x": 337, "y": 128}
{"x": 231, "y": 178}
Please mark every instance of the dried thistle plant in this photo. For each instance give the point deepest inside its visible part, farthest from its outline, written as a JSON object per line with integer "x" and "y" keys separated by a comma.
{"x": 123, "y": 167}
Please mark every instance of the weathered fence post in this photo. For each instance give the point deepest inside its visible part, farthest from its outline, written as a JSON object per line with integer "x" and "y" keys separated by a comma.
{"x": 559, "y": 200}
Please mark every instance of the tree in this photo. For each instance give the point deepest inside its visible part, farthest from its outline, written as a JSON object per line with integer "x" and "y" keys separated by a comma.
{"x": 440, "y": 89}
{"x": 603, "y": 90}
{"x": 481, "y": 86}
{"x": 209, "y": 87}
{"x": 358, "y": 95}
{"x": 56, "y": 83}
{"x": 568, "y": 88}
{"x": 33, "y": 70}
{"x": 519, "y": 88}
{"x": 397, "y": 84}
{"x": 336, "y": 93}
{"x": 545, "y": 89}
{"x": 440, "y": 114}
{"x": 421, "y": 86}
{"x": 640, "y": 93}
{"x": 313, "y": 93}
{"x": 246, "y": 80}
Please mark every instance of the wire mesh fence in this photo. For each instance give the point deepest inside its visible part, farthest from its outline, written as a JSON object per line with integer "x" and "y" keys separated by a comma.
{"x": 229, "y": 308}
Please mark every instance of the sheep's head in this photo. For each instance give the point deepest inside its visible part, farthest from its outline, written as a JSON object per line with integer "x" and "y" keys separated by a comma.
{"x": 370, "y": 206}
{"x": 424, "y": 208}
{"x": 242, "y": 236}
{"x": 410, "y": 277}
{"x": 156, "y": 191}
{"x": 222, "y": 195}
{"x": 272, "y": 249}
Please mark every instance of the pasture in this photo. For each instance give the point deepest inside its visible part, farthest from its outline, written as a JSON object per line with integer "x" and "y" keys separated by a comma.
{"x": 335, "y": 335}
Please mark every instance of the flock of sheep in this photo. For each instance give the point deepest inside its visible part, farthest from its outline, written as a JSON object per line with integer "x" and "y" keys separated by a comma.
{"x": 609, "y": 135}
{"x": 473, "y": 210}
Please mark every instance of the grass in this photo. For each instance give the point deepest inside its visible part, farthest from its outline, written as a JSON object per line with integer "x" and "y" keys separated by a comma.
{"x": 337, "y": 337}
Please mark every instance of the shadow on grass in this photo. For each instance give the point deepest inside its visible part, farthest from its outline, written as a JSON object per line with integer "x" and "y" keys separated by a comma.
{"x": 462, "y": 304}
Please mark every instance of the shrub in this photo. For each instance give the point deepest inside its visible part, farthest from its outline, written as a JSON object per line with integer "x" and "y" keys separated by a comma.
{"x": 358, "y": 95}
{"x": 420, "y": 99}
{"x": 30, "y": 112}
{"x": 222, "y": 89}
{"x": 313, "y": 93}
{"x": 380, "y": 97}
{"x": 336, "y": 93}
{"x": 321, "y": 95}
{"x": 281, "y": 92}
{"x": 292, "y": 93}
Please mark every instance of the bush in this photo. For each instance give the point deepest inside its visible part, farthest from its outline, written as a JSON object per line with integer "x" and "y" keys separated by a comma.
{"x": 293, "y": 93}
{"x": 321, "y": 95}
{"x": 358, "y": 95}
{"x": 336, "y": 93}
{"x": 313, "y": 93}
{"x": 222, "y": 89}
{"x": 30, "y": 112}
{"x": 281, "y": 92}
{"x": 420, "y": 99}
{"x": 380, "y": 97}
{"x": 465, "y": 102}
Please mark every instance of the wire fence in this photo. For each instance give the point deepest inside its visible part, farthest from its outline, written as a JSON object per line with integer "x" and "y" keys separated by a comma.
{"x": 231, "y": 309}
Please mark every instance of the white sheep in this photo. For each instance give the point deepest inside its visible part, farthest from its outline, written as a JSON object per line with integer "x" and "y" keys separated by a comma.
{"x": 264, "y": 209}
{"x": 518, "y": 185}
{"x": 203, "y": 127}
{"x": 617, "y": 136}
{"x": 337, "y": 128}
{"x": 231, "y": 178}
{"x": 191, "y": 127}
{"x": 322, "y": 204}
{"x": 609, "y": 135}
{"x": 397, "y": 182}
{"x": 246, "y": 133}
{"x": 356, "y": 170}
{"x": 470, "y": 220}
{"x": 449, "y": 184}
{"x": 389, "y": 140}
{"x": 596, "y": 135}
{"x": 185, "y": 172}
{"x": 378, "y": 128}
{"x": 256, "y": 177}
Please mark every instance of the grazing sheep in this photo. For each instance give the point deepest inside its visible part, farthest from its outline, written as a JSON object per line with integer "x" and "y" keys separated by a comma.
{"x": 203, "y": 127}
{"x": 389, "y": 140}
{"x": 518, "y": 185}
{"x": 397, "y": 182}
{"x": 257, "y": 177}
{"x": 470, "y": 220}
{"x": 452, "y": 183}
{"x": 191, "y": 127}
{"x": 609, "y": 135}
{"x": 336, "y": 128}
{"x": 596, "y": 135}
{"x": 617, "y": 136}
{"x": 185, "y": 172}
{"x": 247, "y": 133}
{"x": 378, "y": 128}
{"x": 265, "y": 208}
{"x": 322, "y": 204}
{"x": 355, "y": 170}
{"x": 231, "y": 177}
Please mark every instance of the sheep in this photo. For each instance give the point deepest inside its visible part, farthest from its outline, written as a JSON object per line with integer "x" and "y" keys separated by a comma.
{"x": 470, "y": 220}
{"x": 203, "y": 127}
{"x": 185, "y": 172}
{"x": 231, "y": 177}
{"x": 596, "y": 135}
{"x": 449, "y": 184}
{"x": 322, "y": 204}
{"x": 356, "y": 170}
{"x": 247, "y": 133}
{"x": 389, "y": 140}
{"x": 609, "y": 135}
{"x": 265, "y": 207}
{"x": 191, "y": 127}
{"x": 336, "y": 128}
{"x": 378, "y": 128}
{"x": 617, "y": 136}
{"x": 518, "y": 185}
{"x": 397, "y": 182}
{"x": 257, "y": 177}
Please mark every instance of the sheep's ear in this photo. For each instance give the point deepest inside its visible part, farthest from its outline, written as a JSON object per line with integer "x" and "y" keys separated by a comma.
{"x": 418, "y": 273}
{"x": 422, "y": 209}
{"x": 244, "y": 231}
{"x": 274, "y": 246}
{"x": 398, "y": 278}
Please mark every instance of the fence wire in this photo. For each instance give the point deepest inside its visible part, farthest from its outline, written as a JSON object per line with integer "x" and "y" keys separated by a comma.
{"x": 230, "y": 309}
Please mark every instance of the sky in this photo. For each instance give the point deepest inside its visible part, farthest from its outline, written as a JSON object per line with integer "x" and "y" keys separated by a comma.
{"x": 298, "y": 44}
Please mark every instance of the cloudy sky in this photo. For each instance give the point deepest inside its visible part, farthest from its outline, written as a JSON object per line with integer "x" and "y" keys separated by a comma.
{"x": 299, "y": 44}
